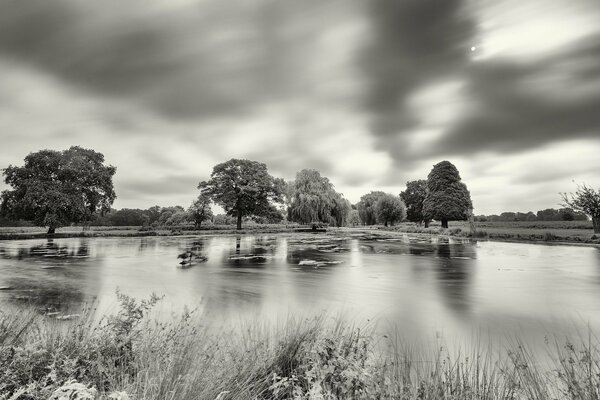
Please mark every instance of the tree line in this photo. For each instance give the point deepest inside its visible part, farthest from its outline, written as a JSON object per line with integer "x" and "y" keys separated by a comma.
{"x": 549, "y": 214}
{"x": 74, "y": 186}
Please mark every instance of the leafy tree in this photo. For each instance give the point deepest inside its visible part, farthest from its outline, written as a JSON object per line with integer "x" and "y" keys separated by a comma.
{"x": 127, "y": 217}
{"x": 390, "y": 209}
{"x": 243, "y": 188}
{"x": 200, "y": 210}
{"x": 447, "y": 197}
{"x": 549, "y": 214}
{"x": 585, "y": 200}
{"x": 353, "y": 218}
{"x": 56, "y": 188}
{"x": 153, "y": 214}
{"x": 413, "y": 198}
{"x": 312, "y": 199}
{"x": 366, "y": 207}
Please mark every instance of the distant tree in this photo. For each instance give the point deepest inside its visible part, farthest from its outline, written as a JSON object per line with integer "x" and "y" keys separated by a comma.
{"x": 56, "y": 188}
{"x": 508, "y": 216}
{"x": 549, "y": 214}
{"x": 200, "y": 210}
{"x": 127, "y": 217}
{"x": 447, "y": 197}
{"x": 312, "y": 199}
{"x": 353, "y": 218}
{"x": 389, "y": 209}
{"x": 243, "y": 188}
{"x": 366, "y": 207}
{"x": 585, "y": 200}
{"x": 153, "y": 214}
{"x": 566, "y": 214}
{"x": 179, "y": 217}
{"x": 413, "y": 198}
{"x": 223, "y": 219}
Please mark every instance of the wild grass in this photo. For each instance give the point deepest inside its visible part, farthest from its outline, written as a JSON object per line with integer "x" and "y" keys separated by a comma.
{"x": 132, "y": 356}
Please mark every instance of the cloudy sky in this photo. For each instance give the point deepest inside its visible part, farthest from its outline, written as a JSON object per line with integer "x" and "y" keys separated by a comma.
{"x": 370, "y": 93}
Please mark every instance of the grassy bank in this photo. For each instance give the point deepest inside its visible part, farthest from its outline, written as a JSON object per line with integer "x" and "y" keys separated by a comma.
{"x": 570, "y": 232}
{"x": 130, "y": 356}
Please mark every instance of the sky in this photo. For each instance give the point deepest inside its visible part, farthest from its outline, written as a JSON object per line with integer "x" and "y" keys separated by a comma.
{"x": 370, "y": 93}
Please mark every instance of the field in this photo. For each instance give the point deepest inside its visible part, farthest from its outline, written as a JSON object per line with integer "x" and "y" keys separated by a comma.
{"x": 129, "y": 355}
{"x": 574, "y": 232}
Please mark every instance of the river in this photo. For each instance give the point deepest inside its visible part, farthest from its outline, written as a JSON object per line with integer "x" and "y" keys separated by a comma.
{"x": 422, "y": 286}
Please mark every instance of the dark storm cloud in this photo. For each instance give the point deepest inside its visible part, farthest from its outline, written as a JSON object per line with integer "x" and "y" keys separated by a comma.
{"x": 519, "y": 105}
{"x": 192, "y": 60}
{"x": 413, "y": 43}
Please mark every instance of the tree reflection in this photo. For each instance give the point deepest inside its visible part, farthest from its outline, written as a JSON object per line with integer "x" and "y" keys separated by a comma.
{"x": 454, "y": 272}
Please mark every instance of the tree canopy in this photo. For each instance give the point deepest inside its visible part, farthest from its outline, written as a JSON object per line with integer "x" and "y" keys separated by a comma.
{"x": 447, "y": 197}
{"x": 413, "y": 198}
{"x": 243, "y": 188}
{"x": 56, "y": 188}
{"x": 200, "y": 209}
{"x": 587, "y": 201}
{"x": 313, "y": 199}
{"x": 366, "y": 207}
{"x": 389, "y": 209}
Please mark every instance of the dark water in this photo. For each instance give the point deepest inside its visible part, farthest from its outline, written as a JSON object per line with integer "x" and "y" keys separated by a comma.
{"x": 422, "y": 287}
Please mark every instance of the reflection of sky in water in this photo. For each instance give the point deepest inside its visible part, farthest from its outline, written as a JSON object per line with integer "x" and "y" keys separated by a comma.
{"x": 451, "y": 287}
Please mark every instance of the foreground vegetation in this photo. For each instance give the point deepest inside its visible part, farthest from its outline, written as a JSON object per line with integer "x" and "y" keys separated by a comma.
{"x": 132, "y": 356}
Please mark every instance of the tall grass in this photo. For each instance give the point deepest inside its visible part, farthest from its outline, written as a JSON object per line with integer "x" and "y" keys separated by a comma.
{"x": 132, "y": 356}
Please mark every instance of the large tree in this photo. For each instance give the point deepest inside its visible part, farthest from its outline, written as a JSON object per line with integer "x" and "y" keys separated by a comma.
{"x": 587, "y": 201}
{"x": 413, "y": 198}
{"x": 56, "y": 188}
{"x": 312, "y": 199}
{"x": 366, "y": 207}
{"x": 389, "y": 209}
{"x": 243, "y": 188}
{"x": 447, "y": 197}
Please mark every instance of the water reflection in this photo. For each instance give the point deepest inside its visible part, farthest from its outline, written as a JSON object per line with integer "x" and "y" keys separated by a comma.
{"x": 421, "y": 284}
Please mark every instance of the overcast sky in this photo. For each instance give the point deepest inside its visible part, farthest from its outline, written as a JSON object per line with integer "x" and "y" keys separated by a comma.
{"x": 370, "y": 93}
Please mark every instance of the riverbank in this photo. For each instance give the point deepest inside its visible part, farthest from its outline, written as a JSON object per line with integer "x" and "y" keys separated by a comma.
{"x": 132, "y": 356}
{"x": 550, "y": 232}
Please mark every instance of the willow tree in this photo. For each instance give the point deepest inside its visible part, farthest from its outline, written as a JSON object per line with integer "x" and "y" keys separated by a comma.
{"x": 366, "y": 207}
{"x": 57, "y": 188}
{"x": 587, "y": 201}
{"x": 312, "y": 199}
{"x": 447, "y": 197}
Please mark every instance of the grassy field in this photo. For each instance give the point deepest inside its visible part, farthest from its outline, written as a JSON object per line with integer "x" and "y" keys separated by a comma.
{"x": 576, "y": 232}
{"x": 131, "y": 356}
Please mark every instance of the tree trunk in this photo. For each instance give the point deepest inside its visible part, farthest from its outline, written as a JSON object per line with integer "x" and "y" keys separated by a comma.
{"x": 51, "y": 230}
{"x": 426, "y": 223}
{"x": 445, "y": 223}
{"x": 239, "y": 221}
{"x": 596, "y": 223}
{"x": 385, "y": 223}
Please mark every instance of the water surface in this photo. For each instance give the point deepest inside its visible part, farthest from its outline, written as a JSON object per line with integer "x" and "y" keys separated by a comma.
{"x": 421, "y": 286}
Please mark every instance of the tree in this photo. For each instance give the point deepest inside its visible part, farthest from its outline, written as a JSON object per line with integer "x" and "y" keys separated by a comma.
{"x": 447, "y": 197}
{"x": 353, "y": 218}
{"x": 413, "y": 198}
{"x": 366, "y": 207}
{"x": 56, "y": 188}
{"x": 312, "y": 199}
{"x": 390, "y": 209}
{"x": 243, "y": 188}
{"x": 200, "y": 210}
{"x": 585, "y": 200}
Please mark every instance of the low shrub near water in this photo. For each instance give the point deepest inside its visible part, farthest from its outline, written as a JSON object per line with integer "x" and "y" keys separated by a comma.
{"x": 132, "y": 356}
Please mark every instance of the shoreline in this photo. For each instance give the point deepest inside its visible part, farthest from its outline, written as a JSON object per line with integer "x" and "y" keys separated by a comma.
{"x": 115, "y": 232}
